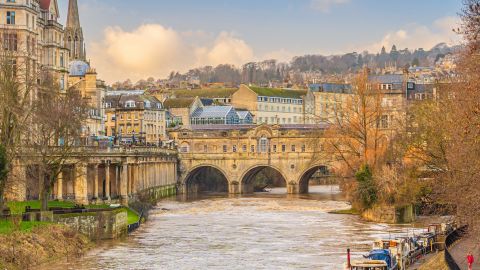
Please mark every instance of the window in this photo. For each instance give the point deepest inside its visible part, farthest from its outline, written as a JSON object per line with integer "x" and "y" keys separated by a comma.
{"x": 244, "y": 148}
{"x": 234, "y": 149}
{"x": 10, "y": 17}
{"x": 293, "y": 147}
{"x": 303, "y": 148}
{"x": 130, "y": 104}
{"x": 384, "y": 121}
{"x": 225, "y": 149}
{"x": 263, "y": 145}
{"x": 284, "y": 148}
{"x": 274, "y": 148}
{"x": 10, "y": 41}
{"x": 252, "y": 148}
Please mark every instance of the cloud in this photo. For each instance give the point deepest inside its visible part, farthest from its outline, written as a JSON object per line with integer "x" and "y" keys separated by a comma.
{"x": 226, "y": 50}
{"x": 154, "y": 50}
{"x": 418, "y": 36}
{"x": 326, "y": 5}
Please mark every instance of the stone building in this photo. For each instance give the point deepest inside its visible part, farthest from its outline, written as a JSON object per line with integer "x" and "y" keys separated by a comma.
{"x": 324, "y": 102}
{"x": 135, "y": 119}
{"x": 271, "y": 105}
{"x": 393, "y": 88}
{"x": 181, "y": 109}
{"x": 31, "y": 30}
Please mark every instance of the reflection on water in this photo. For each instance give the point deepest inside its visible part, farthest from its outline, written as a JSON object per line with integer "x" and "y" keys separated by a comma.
{"x": 261, "y": 231}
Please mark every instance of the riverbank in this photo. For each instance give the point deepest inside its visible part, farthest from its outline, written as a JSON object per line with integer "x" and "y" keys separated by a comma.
{"x": 22, "y": 248}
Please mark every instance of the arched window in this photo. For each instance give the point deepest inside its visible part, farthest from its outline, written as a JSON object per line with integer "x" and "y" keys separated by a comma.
{"x": 263, "y": 145}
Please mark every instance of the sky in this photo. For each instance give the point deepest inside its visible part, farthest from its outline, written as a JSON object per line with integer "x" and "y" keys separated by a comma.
{"x": 141, "y": 38}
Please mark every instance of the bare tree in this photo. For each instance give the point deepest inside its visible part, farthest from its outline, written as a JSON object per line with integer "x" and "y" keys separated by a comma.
{"x": 356, "y": 137}
{"x": 17, "y": 85}
{"x": 58, "y": 119}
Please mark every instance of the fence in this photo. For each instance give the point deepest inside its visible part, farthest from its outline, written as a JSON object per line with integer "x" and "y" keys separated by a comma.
{"x": 449, "y": 241}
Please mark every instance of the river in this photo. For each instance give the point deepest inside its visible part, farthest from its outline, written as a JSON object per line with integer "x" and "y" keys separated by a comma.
{"x": 262, "y": 231}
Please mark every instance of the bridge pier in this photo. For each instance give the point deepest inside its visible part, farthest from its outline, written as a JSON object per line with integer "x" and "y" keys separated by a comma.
{"x": 234, "y": 187}
{"x": 292, "y": 187}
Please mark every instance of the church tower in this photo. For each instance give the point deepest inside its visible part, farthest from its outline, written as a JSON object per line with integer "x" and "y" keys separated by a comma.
{"x": 73, "y": 33}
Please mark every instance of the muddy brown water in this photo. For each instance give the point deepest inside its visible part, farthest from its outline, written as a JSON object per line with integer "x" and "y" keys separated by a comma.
{"x": 262, "y": 231}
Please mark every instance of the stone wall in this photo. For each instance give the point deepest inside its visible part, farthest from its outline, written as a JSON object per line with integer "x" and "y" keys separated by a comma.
{"x": 97, "y": 225}
{"x": 390, "y": 214}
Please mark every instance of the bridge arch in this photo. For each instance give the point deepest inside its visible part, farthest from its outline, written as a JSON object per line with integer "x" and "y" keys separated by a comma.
{"x": 248, "y": 177}
{"x": 306, "y": 175}
{"x": 206, "y": 178}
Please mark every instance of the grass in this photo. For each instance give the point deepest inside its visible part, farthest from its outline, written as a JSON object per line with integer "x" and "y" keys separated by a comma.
{"x": 132, "y": 216}
{"x": 350, "y": 211}
{"x": 7, "y": 226}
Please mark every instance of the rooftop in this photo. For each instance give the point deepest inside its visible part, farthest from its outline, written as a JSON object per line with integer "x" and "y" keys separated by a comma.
{"x": 205, "y": 93}
{"x": 387, "y": 78}
{"x": 277, "y": 92}
{"x": 252, "y": 126}
{"x": 178, "y": 102}
{"x": 212, "y": 112}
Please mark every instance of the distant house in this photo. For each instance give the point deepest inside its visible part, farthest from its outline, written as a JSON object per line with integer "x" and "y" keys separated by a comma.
{"x": 271, "y": 105}
{"x": 135, "y": 118}
{"x": 180, "y": 109}
{"x": 324, "y": 101}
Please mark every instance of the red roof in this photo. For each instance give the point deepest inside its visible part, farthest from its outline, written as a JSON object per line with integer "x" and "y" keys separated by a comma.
{"x": 45, "y": 4}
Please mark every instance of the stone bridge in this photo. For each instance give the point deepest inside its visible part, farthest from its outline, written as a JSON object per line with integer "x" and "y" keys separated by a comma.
{"x": 100, "y": 175}
{"x": 239, "y": 152}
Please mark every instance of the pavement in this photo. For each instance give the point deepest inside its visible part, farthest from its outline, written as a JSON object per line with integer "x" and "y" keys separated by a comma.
{"x": 460, "y": 249}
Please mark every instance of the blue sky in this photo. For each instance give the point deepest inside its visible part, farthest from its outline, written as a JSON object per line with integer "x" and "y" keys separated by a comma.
{"x": 180, "y": 34}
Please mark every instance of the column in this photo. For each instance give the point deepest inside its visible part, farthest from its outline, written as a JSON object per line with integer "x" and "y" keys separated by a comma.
{"x": 95, "y": 181}
{"x": 19, "y": 183}
{"x": 107, "y": 181}
{"x": 123, "y": 187}
{"x": 80, "y": 185}
{"x": 60, "y": 186}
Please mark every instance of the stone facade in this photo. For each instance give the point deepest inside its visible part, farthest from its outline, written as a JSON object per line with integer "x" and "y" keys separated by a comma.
{"x": 115, "y": 174}
{"x": 97, "y": 225}
{"x": 239, "y": 152}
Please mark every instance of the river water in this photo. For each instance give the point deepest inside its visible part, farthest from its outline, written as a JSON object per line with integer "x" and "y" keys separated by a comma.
{"x": 262, "y": 231}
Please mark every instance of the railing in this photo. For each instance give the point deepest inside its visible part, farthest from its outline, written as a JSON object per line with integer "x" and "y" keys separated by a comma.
{"x": 449, "y": 241}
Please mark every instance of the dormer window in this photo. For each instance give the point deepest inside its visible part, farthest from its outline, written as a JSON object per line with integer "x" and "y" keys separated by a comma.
{"x": 108, "y": 105}
{"x": 130, "y": 104}
{"x": 147, "y": 104}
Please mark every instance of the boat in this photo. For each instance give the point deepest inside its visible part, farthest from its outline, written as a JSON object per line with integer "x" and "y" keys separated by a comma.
{"x": 368, "y": 265}
{"x": 383, "y": 255}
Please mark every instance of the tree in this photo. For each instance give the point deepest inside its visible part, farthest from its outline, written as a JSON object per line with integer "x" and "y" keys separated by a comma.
{"x": 358, "y": 139}
{"x": 367, "y": 190}
{"x": 58, "y": 119}
{"x": 17, "y": 85}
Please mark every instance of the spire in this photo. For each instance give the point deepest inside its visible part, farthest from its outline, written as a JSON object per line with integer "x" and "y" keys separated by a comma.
{"x": 73, "y": 33}
{"x": 73, "y": 19}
